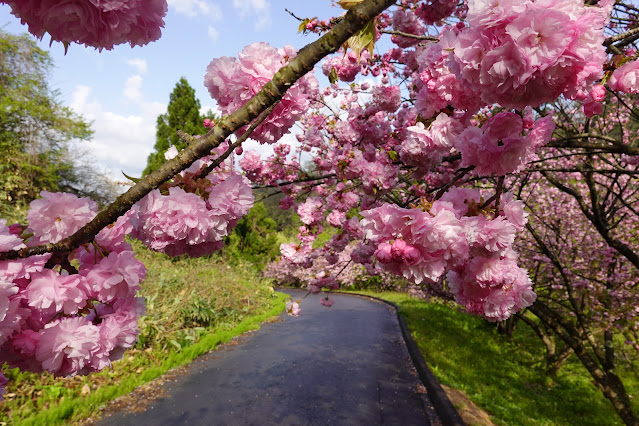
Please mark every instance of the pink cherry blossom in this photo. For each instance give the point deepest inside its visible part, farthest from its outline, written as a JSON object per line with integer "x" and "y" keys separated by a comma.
{"x": 99, "y": 24}
{"x": 179, "y": 219}
{"x": 116, "y": 276}
{"x": 67, "y": 345}
{"x": 293, "y": 308}
{"x": 232, "y": 82}
{"x": 528, "y": 53}
{"x": 626, "y": 78}
{"x": 325, "y": 301}
{"x": 58, "y": 215}
{"x": 406, "y": 21}
{"x": 49, "y": 291}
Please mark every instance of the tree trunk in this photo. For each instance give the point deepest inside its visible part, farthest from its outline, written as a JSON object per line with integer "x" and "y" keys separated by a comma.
{"x": 605, "y": 378}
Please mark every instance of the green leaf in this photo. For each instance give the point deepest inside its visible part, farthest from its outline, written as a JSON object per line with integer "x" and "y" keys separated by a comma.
{"x": 364, "y": 39}
{"x": 332, "y": 76}
{"x": 348, "y": 4}
{"x": 302, "y": 27}
{"x": 132, "y": 179}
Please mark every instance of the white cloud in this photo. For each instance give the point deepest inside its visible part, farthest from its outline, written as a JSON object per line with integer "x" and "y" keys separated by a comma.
{"x": 139, "y": 64}
{"x": 121, "y": 143}
{"x": 259, "y": 10}
{"x": 213, "y": 33}
{"x": 133, "y": 88}
{"x": 193, "y": 8}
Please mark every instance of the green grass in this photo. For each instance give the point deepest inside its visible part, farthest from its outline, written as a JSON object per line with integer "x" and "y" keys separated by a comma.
{"x": 193, "y": 305}
{"x": 503, "y": 376}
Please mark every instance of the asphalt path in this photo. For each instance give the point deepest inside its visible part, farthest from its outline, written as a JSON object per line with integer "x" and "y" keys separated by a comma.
{"x": 343, "y": 365}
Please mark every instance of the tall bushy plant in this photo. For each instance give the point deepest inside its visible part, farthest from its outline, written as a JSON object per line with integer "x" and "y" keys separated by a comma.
{"x": 255, "y": 238}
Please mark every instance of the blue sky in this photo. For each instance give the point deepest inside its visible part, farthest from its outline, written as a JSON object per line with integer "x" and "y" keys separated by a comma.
{"x": 124, "y": 90}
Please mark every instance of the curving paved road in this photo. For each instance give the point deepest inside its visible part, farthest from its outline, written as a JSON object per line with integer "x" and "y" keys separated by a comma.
{"x": 343, "y": 365}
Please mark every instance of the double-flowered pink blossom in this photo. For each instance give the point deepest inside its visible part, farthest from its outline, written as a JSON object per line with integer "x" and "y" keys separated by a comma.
{"x": 115, "y": 277}
{"x": 58, "y": 215}
{"x": 414, "y": 243}
{"x": 528, "y": 53}
{"x": 345, "y": 66}
{"x": 626, "y": 78}
{"x": 311, "y": 211}
{"x": 436, "y": 85}
{"x": 405, "y": 21}
{"x": 161, "y": 221}
{"x": 66, "y": 346}
{"x": 454, "y": 238}
{"x": 495, "y": 288}
{"x": 51, "y": 292}
{"x": 183, "y": 222}
{"x": 433, "y": 11}
{"x": 232, "y": 82}
{"x": 96, "y": 23}
{"x": 54, "y": 317}
{"x": 499, "y": 146}
{"x": 425, "y": 147}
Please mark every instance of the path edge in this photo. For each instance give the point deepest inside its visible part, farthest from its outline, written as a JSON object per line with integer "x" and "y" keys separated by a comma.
{"x": 447, "y": 413}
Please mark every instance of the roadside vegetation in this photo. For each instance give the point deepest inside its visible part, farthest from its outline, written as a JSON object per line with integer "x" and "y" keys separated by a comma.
{"x": 506, "y": 376}
{"x": 193, "y": 305}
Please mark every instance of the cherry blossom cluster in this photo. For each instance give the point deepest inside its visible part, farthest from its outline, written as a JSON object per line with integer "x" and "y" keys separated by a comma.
{"x": 192, "y": 213}
{"x": 97, "y": 23}
{"x": 520, "y": 54}
{"x": 456, "y": 234}
{"x": 69, "y": 313}
{"x": 232, "y": 82}
{"x": 498, "y": 147}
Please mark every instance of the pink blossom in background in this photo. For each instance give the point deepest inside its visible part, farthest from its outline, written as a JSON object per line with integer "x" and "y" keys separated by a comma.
{"x": 293, "y": 308}
{"x": 406, "y": 21}
{"x": 325, "y": 301}
{"x": 252, "y": 164}
{"x": 345, "y": 66}
{"x": 311, "y": 211}
{"x": 433, "y": 11}
{"x": 386, "y": 98}
{"x": 100, "y": 24}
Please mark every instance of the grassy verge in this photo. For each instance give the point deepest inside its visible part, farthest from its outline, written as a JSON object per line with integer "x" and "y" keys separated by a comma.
{"x": 503, "y": 376}
{"x": 193, "y": 305}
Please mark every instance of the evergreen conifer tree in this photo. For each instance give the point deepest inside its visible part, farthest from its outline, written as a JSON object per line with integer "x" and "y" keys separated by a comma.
{"x": 183, "y": 113}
